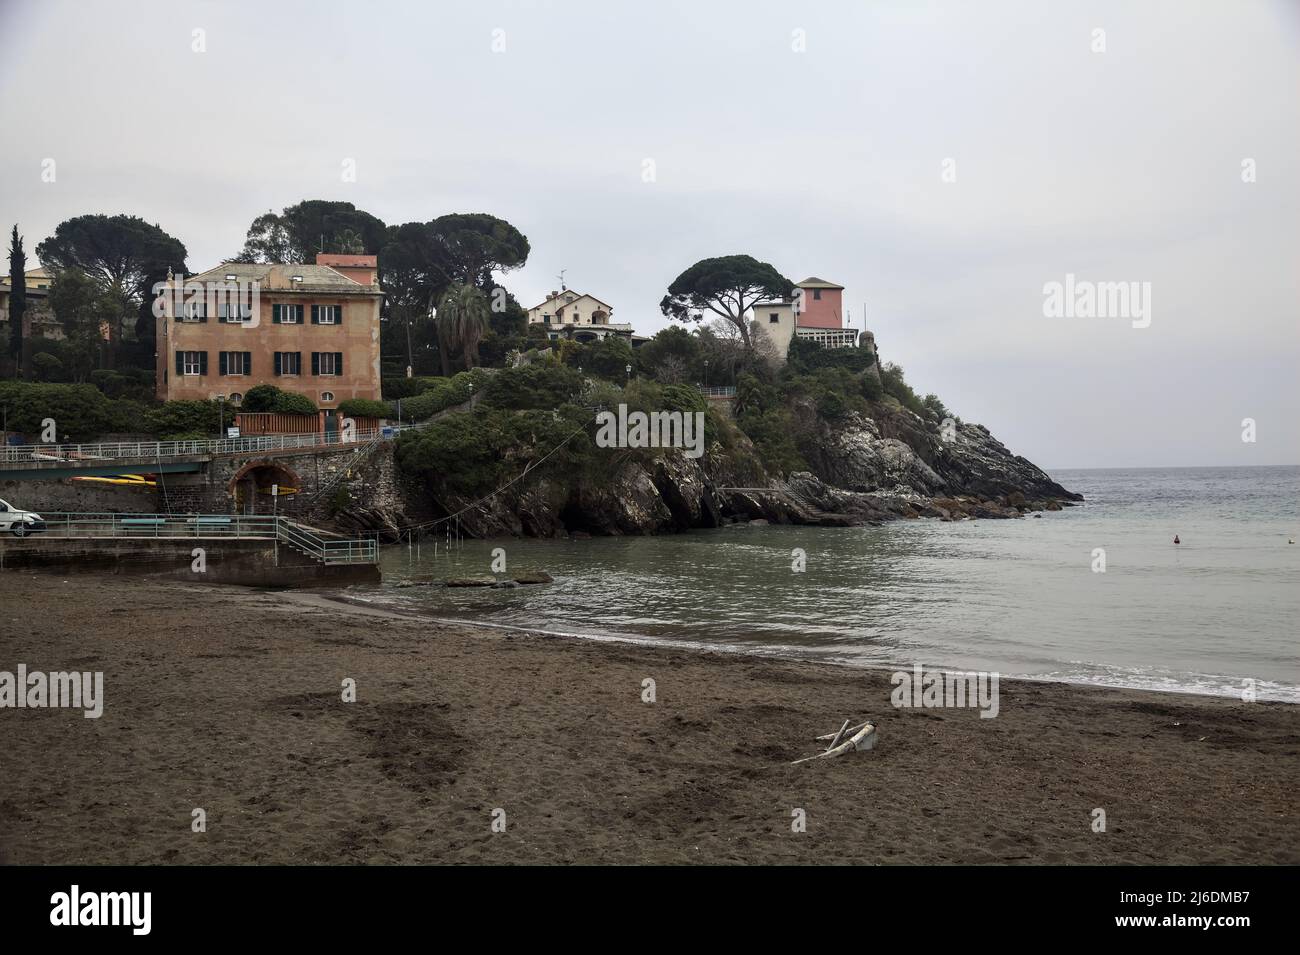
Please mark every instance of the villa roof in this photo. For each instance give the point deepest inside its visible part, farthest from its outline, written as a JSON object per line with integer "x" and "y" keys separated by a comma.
{"x": 576, "y": 295}
{"x": 279, "y": 277}
{"x": 815, "y": 282}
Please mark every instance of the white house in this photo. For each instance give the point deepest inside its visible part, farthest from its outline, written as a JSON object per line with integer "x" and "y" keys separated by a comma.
{"x": 570, "y": 314}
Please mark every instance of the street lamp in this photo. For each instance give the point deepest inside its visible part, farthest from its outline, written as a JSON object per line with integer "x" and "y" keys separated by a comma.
{"x": 706, "y": 373}
{"x": 629, "y": 372}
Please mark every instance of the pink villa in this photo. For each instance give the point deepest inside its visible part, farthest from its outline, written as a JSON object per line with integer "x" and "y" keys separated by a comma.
{"x": 816, "y": 313}
{"x": 823, "y": 304}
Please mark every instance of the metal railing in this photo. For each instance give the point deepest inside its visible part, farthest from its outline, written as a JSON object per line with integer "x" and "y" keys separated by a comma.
{"x": 91, "y": 454}
{"x": 91, "y": 526}
{"x": 725, "y": 391}
{"x": 341, "y": 474}
{"x": 326, "y": 550}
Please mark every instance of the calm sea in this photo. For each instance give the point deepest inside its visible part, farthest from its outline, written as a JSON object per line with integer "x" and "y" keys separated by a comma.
{"x": 1019, "y": 597}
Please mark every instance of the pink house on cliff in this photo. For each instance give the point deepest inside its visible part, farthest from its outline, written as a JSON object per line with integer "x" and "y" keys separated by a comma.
{"x": 819, "y": 304}
{"x": 815, "y": 314}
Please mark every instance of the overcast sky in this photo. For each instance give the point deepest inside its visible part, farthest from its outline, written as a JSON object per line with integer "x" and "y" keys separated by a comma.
{"x": 1122, "y": 165}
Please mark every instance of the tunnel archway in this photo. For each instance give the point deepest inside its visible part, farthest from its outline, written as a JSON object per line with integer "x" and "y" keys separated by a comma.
{"x": 250, "y": 488}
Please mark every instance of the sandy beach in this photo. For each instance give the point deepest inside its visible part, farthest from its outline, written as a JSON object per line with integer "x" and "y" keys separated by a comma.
{"x": 229, "y": 700}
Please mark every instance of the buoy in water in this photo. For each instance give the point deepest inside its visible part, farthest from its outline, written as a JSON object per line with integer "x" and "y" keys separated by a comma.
{"x": 1176, "y": 540}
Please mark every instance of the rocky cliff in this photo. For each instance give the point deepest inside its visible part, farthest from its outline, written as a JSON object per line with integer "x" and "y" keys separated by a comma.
{"x": 863, "y": 469}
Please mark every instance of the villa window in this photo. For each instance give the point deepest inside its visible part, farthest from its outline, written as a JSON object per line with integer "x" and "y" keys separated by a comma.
{"x": 192, "y": 362}
{"x": 288, "y": 363}
{"x": 327, "y": 363}
{"x": 236, "y": 399}
{"x": 327, "y": 396}
{"x": 817, "y": 294}
{"x": 326, "y": 314}
{"x": 235, "y": 363}
{"x": 286, "y": 314}
{"x": 773, "y": 319}
{"x": 234, "y": 313}
{"x": 194, "y": 311}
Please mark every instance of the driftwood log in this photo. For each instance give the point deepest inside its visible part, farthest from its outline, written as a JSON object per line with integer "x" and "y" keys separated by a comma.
{"x": 864, "y": 737}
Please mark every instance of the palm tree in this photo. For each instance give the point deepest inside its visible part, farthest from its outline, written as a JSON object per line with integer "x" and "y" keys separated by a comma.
{"x": 462, "y": 319}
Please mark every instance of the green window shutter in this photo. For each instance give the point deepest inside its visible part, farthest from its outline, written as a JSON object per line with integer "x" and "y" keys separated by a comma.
{"x": 275, "y": 316}
{"x": 180, "y": 363}
{"x": 278, "y": 358}
{"x": 203, "y": 363}
{"x": 315, "y": 314}
{"x": 338, "y": 314}
{"x": 315, "y": 363}
{"x": 203, "y": 312}
{"x": 248, "y": 362}
{"x": 338, "y": 363}
{"x": 221, "y": 363}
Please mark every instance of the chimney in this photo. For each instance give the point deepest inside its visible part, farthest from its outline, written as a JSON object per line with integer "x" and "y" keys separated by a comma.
{"x": 553, "y": 294}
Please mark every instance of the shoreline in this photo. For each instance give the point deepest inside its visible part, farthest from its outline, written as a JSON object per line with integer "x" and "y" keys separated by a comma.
{"x": 779, "y": 653}
{"x": 451, "y": 722}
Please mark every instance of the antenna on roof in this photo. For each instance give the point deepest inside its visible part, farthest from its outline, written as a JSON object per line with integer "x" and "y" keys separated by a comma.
{"x": 563, "y": 287}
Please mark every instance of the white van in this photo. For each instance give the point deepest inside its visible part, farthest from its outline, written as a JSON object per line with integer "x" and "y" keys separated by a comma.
{"x": 19, "y": 522}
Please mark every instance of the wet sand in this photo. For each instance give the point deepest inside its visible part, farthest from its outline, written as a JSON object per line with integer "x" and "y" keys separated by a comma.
{"x": 229, "y": 700}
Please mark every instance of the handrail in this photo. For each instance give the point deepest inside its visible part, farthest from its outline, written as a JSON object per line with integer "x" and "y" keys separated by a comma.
{"x": 332, "y": 481}
{"x": 153, "y": 450}
{"x": 93, "y": 525}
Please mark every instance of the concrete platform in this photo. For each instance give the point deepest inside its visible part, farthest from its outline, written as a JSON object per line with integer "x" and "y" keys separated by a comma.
{"x": 252, "y": 563}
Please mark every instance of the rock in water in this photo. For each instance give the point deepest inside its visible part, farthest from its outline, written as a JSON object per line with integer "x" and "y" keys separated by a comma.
{"x": 534, "y": 577}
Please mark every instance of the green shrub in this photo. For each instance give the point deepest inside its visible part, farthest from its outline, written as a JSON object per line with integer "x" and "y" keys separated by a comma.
{"x": 47, "y": 367}
{"x": 673, "y": 355}
{"x": 608, "y": 358}
{"x": 181, "y": 420}
{"x": 473, "y": 454}
{"x": 135, "y": 383}
{"x": 442, "y": 393}
{"x": 339, "y": 500}
{"x": 767, "y": 420}
{"x": 128, "y": 416}
{"x": 773, "y": 435}
{"x": 936, "y": 409}
{"x": 365, "y": 408}
{"x": 895, "y": 386}
{"x": 872, "y": 389}
{"x": 395, "y": 388}
{"x": 269, "y": 398}
{"x": 533, "y": 387}
{"x": 805, "y": 357}
{"x": 79, "y": 412}
{"x": 835, "y": 391}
